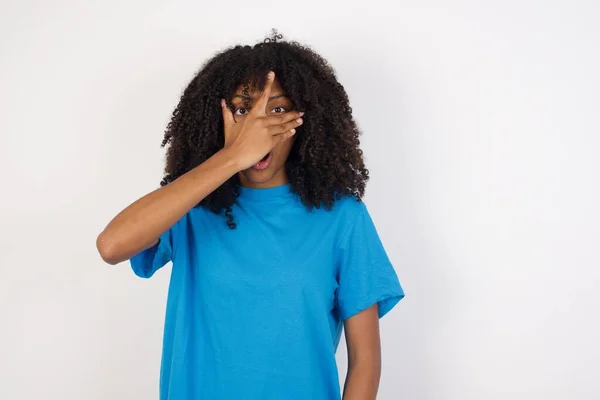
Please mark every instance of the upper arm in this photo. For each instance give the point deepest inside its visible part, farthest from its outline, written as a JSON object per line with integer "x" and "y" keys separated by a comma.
{"x": 364, "y": 354}
{"x": 362, "y": 337}
{"x": 150, "y": 260}
{"x": 365, "y": 274}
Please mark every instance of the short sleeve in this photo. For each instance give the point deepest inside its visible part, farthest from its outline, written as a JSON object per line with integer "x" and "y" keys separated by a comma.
{"x": 365, "y": 273}
{"x": 148, "y": 261}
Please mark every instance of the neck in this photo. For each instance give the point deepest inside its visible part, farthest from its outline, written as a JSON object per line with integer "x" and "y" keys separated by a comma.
{"x": 278, "y": 179}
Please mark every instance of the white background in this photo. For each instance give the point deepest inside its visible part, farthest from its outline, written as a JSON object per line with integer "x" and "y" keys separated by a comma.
{"x": 482, "y": 135}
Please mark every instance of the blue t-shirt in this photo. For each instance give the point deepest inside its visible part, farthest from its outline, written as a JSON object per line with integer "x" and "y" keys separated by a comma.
{"x": 256, "y": 312}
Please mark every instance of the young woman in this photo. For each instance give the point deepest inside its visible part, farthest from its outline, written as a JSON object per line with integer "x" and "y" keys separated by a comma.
{"x": 273, "y": 251}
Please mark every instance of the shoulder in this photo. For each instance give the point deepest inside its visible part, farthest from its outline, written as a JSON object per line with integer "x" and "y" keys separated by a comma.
{"x": 346, "y": 211}
{"x": 195, "y": 217}
{"x": 349, "y": 207}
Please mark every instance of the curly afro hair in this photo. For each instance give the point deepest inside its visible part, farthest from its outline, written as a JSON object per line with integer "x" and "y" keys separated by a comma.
{"x": 325, "y": 162}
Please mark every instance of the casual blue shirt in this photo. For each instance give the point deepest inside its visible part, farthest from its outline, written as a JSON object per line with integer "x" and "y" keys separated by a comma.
{"x": 256, "y": 312}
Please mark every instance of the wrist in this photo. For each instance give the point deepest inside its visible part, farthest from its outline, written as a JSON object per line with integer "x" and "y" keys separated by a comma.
{"x": 230, "y": 159}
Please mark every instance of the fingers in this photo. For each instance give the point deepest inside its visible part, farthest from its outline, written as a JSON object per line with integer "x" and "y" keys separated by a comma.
{"x": 283, "y": 118}
{"x": 261, "y": 102}
{"x": 283, "y": 136}
{"x": 278, "y": 129}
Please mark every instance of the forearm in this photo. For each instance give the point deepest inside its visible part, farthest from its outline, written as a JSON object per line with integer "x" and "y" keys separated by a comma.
{"x": 362, "y": 380}
{"x": 140, "y": 225}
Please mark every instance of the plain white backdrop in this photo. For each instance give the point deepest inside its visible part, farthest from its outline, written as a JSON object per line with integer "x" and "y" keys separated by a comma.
{"x": 482, "y": 135}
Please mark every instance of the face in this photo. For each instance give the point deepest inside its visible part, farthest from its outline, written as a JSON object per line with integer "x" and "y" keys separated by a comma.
{"x": 274, "y": 174}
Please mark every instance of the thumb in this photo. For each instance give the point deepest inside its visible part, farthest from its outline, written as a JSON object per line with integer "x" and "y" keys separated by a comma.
{"x": 228, "y": 122}
{"x": 227, "y": 115}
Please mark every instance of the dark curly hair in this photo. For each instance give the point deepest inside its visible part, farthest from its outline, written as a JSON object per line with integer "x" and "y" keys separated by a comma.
{"x": 325, "y": 162}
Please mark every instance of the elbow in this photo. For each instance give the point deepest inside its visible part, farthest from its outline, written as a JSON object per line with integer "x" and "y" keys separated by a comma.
{"x": 108, "y": 251}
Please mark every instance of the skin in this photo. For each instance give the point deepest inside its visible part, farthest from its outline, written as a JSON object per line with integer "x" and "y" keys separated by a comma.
{"x": 277, "y": 104}
{"x": 268, "y": 125}
{"x": 364, "y": 355}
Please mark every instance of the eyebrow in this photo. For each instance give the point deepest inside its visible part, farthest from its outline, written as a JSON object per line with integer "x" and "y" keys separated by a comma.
{"x": 243, "y": 97}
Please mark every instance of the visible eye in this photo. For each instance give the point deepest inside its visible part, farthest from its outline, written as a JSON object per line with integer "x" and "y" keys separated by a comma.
{"x": 240, "y": 111}
{"x": 278, "y": 110}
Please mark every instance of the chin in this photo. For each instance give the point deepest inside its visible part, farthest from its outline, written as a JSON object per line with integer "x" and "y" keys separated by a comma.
{"x": 258, "y": 177}
{"x": 262, "y": 178}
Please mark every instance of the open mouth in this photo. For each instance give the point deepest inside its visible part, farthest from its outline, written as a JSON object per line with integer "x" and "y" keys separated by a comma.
{"x": 264, "y": 163}
{"x": 265, "y": 157}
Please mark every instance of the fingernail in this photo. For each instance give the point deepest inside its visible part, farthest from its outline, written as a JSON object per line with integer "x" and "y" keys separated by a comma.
{"x": 270, "y": 75}
{"x": 222, "y": 102}
{"x": 301, "y": 113}
{"x": 292, "y": 131}
{"x": 299, "y": 120}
